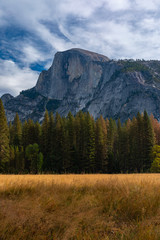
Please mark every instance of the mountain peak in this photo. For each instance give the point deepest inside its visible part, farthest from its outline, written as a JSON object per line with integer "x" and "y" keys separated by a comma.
{"x": 85, "y": 53}
{"x": 82, "y": 80}
{"x": 75, "y": 70}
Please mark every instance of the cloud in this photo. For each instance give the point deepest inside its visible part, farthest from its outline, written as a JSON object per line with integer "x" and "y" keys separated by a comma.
{"x": 14, "y": 78}
{"x": 149, "y": 5}
{"x": 115, "y": 5}
{"x": 116, "y": 28}
{"x": 31, "y": 54}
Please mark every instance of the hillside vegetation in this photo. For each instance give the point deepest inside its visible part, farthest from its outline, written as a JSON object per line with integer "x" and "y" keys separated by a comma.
{"x": 80, "y": 207}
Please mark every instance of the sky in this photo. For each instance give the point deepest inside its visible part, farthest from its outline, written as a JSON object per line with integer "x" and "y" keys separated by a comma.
{"x": 32, "y": 31}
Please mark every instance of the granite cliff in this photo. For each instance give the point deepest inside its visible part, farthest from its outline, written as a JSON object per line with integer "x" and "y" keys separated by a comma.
{"x": 83, "y": 80}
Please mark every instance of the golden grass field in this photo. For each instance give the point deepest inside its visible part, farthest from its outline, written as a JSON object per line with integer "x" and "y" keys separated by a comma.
{"x": 80, "y": 207}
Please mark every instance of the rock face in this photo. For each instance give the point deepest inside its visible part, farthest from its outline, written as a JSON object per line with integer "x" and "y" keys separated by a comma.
{"x": 83, "y": 80}
{"x": 75, "y": 71}
{"x": 6, "y": 98}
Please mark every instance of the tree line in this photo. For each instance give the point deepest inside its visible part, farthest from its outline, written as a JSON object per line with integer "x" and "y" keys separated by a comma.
{"x": 79, "y": 144}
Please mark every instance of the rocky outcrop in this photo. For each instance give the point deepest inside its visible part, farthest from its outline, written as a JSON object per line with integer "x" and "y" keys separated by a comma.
{"x": 6, "y": 98}
{"x": 83, "y": 80}
{"x": 75, "y": 70}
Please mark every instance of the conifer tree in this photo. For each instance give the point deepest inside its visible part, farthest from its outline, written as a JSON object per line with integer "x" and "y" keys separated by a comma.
{"x": 45, "y": 139}
{"x": 133, "y": 146}
{"x": 4, "y": 139}
{"x": 80, "y": 141}
{"x": 11, "y": 166}
{"x": 25, "y": 135}
{"x": 51, "y": 147}
{"x": 101, "y": 145}
{"x": 71, "y": 142}
{"x": 148, "y": 141}
{"x": 60, "y": 144}
{"x": 122, "y": 146}
{"x": 35, "y": 157}
{"x": 111, "y": 136}
{"x": 127, "y": 129}
{"x": 17, "y": 131}
{"x": 32, "y": 132}
{"x": 90, "y": 165}
{"x": 139, "y": 137}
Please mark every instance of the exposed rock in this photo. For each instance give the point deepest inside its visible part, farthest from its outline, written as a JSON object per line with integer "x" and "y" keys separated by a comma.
{"x": 82, "y": 80}
{"x": 6, "y": 97}
{"x": 74, "y": 70}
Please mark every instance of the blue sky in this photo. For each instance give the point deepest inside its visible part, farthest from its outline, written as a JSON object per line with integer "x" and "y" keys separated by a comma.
{"x": 32, "y": 31}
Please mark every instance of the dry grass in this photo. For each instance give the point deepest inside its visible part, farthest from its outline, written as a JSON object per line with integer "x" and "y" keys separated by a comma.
{"x": 80, "y": 207}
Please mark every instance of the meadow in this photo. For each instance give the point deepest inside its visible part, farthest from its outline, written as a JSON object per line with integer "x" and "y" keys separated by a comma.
{"x": 80, "y": 207}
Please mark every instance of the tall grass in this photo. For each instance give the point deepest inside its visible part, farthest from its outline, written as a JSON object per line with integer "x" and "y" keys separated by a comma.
{"x": 80, "y": 207}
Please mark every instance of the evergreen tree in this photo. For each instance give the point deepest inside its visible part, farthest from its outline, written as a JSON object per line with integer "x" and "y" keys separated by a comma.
{"x": 101, "y": 145}
{"x": 139, "y": 137}
{"x": 81, "y": 141}
{"x": 45, "y": 140}
{"x": 19, "y": 159}
{"x": 90, "y": 165}
{"x": 148, "y": 141}
{"x": 123, "y": 146}
{"x": 25, "y": 135}
{"x": 11, "y": 166}
{"x": 51, "y": 147}
{"x": 59, "y": 144}
{"x": 111, "y": 136}
{"x": 133, "y": 146}
{"x": 17, "y": 131}
{"x": 4, "y": 139}
{"x": 35, "y": 157}
{"x": 70, "y": 143}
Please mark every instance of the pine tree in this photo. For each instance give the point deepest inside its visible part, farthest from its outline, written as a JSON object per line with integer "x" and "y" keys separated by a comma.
{"x": 25, "y": 135}
{"x": 35, "y": 157}
{"x": 11, "y": 167}
{"x": 139, "y": 137}
{"x": 19, "y": 159}
{"x": 17, "y": 131}
{"x": 71, "y": 142}
{"x": 148, "y": 141}
{"x": 45, "y": 140}
{"x": 32, "y": 134}
{"x": 81, "y": 143}
{"x": 59, "y": 144}
{"x": 133, "y": 146}
{"x": 123, "y": 146}
{"x": 37, "y": 133}
{"x": 4, "y": 139}
{"x": 101, "y": 145}
{"x": 90, "y": 165}
{"x": 111, "y": 136}
{"x": 51, "y": 142}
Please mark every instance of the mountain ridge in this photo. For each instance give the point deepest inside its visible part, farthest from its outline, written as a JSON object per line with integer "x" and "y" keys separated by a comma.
{"x": 83, "y": 80}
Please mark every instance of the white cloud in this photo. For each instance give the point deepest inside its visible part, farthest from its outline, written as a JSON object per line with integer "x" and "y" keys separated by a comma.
{"x": 119, "y": 5}
{"x": 116, "y": 28}
{"x": 14, "y": 78}
{"x": 151, "y": 5}
{"x": 31, "y": 54}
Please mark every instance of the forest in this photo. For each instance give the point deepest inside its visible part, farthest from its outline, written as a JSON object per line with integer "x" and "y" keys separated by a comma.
{"x": 79, "y": 144}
